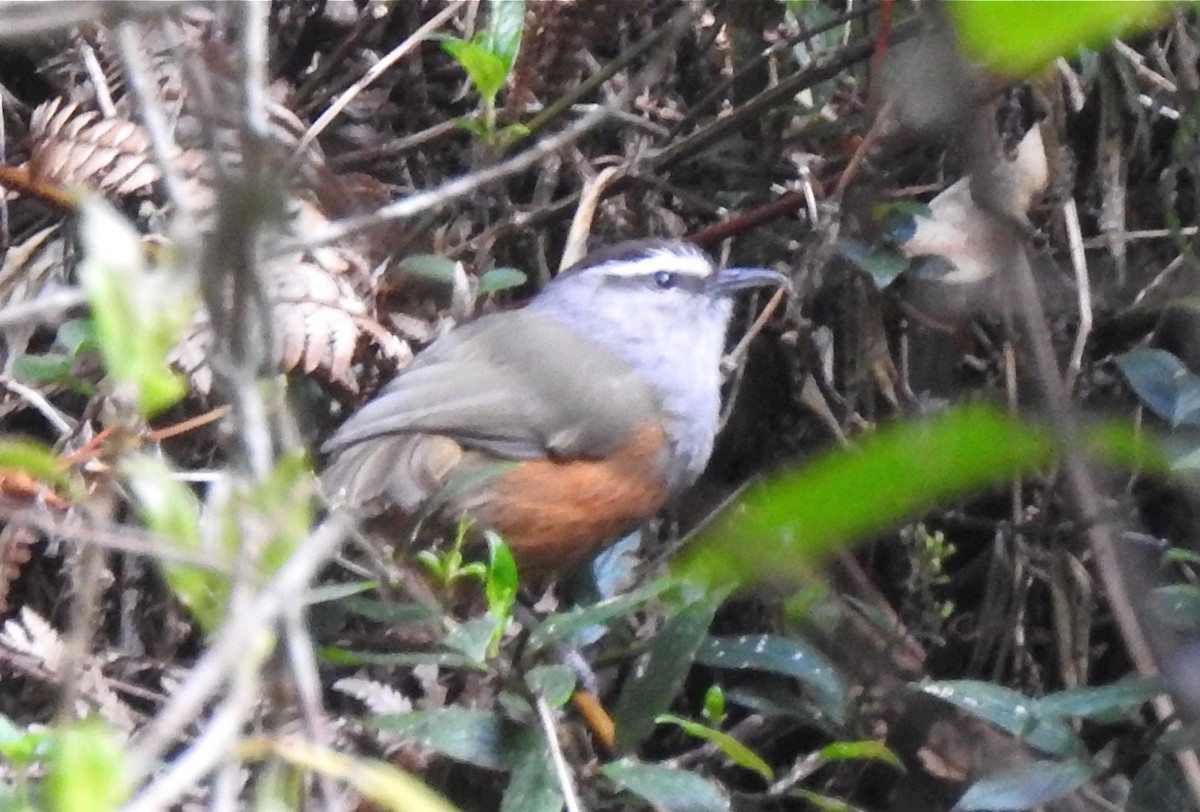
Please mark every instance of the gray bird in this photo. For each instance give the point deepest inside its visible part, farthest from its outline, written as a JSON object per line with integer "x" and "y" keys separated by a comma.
{"x": 562, "y": 424}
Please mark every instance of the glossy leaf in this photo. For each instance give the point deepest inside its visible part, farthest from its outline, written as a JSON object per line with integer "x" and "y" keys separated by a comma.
{"x": 505, "y": 26}
{"x": 1105, "y": 703}
{"x": 533, "y": 786}
{"x": 779, "y": 655}
{"x": 1009, "y": 711}
{"x": 1164, "y": 384}
{"x": 554, "y": 683}
{"x": 1177, "y": 605}
{"x": 478, "y": 738}
{"x": 660, "y": 672}
{"x": 564, "y": 625}
{"x": 783, "y": 527}
{"x": 667, "y": 789}
{"x": 883, "y": 264}
{"x": 1018, "y": 38}
{"x": 1027, "y": 786}
{"x": 387, "y": 611}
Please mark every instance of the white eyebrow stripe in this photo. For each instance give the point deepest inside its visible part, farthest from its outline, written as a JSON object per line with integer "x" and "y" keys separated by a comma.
{"x": 690, "y": 263}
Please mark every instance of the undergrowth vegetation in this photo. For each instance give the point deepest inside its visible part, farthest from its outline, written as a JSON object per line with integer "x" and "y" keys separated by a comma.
{"x": 945, "y": 554}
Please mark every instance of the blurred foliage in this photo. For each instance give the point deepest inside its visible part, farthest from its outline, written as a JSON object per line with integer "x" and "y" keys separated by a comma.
{"x": 1018, "y": 38}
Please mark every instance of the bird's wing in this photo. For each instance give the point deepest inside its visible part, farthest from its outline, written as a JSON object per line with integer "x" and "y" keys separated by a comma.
{"x": 517, "y": 385}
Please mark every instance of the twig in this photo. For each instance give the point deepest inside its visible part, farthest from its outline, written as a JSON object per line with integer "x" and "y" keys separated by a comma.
{"x": 562, "y": 770}
{"x": 734, "y": 356}
{"x": 308, "y": 687}
{"x": 448, "y": 192}
{"x": 377, "y": 70}
{"x": 658, "y": 37}
{"x": 213, "y": 745}
{"x": 1083, "y": 285}
{"x": 44, "y": 309}
{"x": 121, "y": 538}
{"x": 1121, "y": 582}
{"x": 62, "y": 424}
{"x": 234, "y": 639}
{"x": 581, "y": 224}
{"x": 1145, "y": 234}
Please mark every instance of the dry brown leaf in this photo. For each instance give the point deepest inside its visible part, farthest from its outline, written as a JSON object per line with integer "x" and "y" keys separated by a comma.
{"x": 76, "y": 147}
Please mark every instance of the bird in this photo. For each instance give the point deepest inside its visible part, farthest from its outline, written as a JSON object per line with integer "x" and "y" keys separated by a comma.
{"x": 562, "y": 424}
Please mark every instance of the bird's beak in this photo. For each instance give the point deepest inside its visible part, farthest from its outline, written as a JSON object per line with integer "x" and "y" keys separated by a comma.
{"x": 730, "y": 280}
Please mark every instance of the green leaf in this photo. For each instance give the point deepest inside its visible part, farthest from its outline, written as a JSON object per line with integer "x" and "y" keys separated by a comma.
{"x": 1178, "y": 606}
{"x": 474, "y": 637}
{"x": 77, "y": 335}
{"x": 430, "y": 267}
{"x": 668, "y": 789}
{"x": 883, "y": 265}
{"x": 337, "y": 592}
{"x": 399, "y": 659}
{"x": 138, "y": 313}
{"x": 714, "y": 704}
{"x": 554, "y": 683}
{"x": 87, "y": 769}
{"x": 486, "y": 70}
{"x": 1018, "y": 38}
{"x": 1026, "y": 786}
{"x": 866, "y": 750}
{"x": 500, "y": 588}
{"x": 49, "y": 367}
{"x": 166, "y": 505}
{"x": 733, "y": 749}
{"x": 22, "y": 747}
{"x": 169, "y": 508}
{"x": 506, "y": 24}
{"x": 783, "y": 527}
{"x": 498, "y": 279}
{"x": 779, "y": 655}
{"x": 660, "y": 672}
{"x": 563, "y": 625}
{"x": 1009, "y": 711}
{"x": 475, "y": 737}
{"x": 34, "y": 459}
{"x": 823, "y": 802}
{"x": 386, "y": 611}
{"x": 1164, "y": 384}
{"x": 1108, "y": 703}
{"x": 533, "y": 786}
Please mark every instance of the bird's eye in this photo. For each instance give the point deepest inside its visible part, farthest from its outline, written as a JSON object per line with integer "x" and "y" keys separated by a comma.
{"x": 665, "y": 279}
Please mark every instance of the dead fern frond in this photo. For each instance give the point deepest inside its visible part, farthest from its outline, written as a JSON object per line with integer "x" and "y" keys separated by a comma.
{"x": 72, "y": 146}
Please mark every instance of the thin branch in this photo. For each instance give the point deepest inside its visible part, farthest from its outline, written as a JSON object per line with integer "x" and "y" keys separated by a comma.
{"x": 377, "y": 70}
{"x": 234, "y": 639}
{"x": 562, "y": 770}
{"x": 45, "y": 309}
{"x": 1083, "y": 285}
